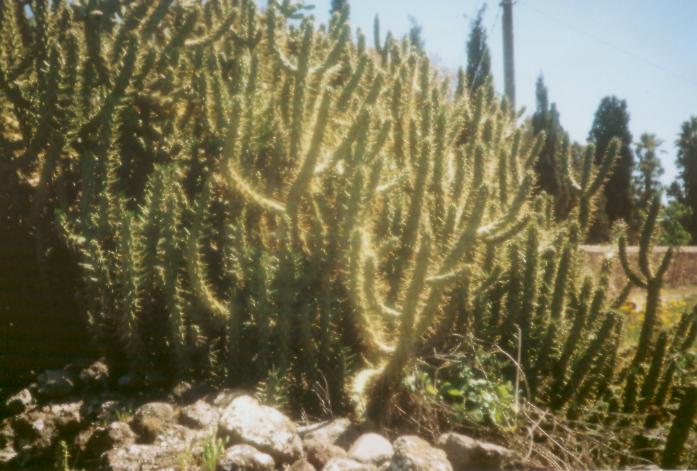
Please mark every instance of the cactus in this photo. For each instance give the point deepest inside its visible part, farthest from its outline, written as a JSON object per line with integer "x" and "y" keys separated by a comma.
{"x": 648, "y": 278}
{"x": 586, "y": 189}
{"x": 247, "y": 196}
{"x": 680, "y": 429}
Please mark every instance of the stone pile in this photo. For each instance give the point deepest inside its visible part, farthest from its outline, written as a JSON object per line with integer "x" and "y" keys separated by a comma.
{"x": 197, "y": 428}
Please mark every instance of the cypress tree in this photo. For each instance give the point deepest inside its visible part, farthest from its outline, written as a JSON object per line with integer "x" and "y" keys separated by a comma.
{"x": 415, "y": 37}
{"x": 478, "y": 55}
{"x": 649, "y": 170}
{"x": 612, "y": 120}
{"x": 547, "y": 166}
{"x": 686, "y": 162}
{"x": 337, "y": 5}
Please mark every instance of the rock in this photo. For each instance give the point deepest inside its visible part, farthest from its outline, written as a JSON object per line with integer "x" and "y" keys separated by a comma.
{"x": 30, "y": 437}
{"x": 246, "y": 421}
{"x": 99, "y": 410}
{"x": 340, "y": 432}
{"x": 66, "y": 417}
{"x": 95, "y": 376}
{"x": 371, "y": 448}
{"x": 346, "y": 464}
{"x": 19, "y": 402}
{"x": 301, "y": 465}
{"x": 199, "y": 415}
{"x": 151, "y": 419}
{"x": 55, "y": 383}
{"x": 467, "y": 453}
{"x": 412, "y": 453}
{"x": 186, "y": 393}
{"x": 223, "y": 398}
{"x": 105, "y": 438}
{"x": 7, "y": 456}
{"x": 245, "y": 457}
{"x": 142, "y": 458}
{"x": 35, "y": 435}
{"x": 169, "y": 451}
{"x": 7, "y": 434}
{"x": 319, "y": 452}
{"x": 41, "y": 426}
{"x": 180, "y": 391}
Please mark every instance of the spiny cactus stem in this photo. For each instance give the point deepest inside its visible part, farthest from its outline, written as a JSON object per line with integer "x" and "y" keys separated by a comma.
{"x": 650, "y": 319}
{"x": 680, "y": 430}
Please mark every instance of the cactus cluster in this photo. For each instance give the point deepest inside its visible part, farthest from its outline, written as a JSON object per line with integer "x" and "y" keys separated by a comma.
{"x": 251, "y": 196}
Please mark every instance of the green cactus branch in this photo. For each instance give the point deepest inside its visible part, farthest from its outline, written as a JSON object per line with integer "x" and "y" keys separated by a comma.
{"x": 246, "y": 194}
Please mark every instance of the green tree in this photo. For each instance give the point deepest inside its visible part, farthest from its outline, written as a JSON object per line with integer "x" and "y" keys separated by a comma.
{"x": 686, "y": 190}
{"x": 548, "y": 167}
{"x": 612, "y": 120}
{"x": 415, "y": 34}
{"x": 478, "y": 55}
{"x": 337, "y": 5}
{"x": 672, "y": 230}
{"x": 648, "y": 171}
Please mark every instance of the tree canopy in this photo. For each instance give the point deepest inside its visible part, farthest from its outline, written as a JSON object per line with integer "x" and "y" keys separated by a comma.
{"x": 687, "y": 173}
{"x": 648, "y": 171}
{"x": 548, "y": 167}
{"x": 612, "y": 120}
{"x": 478, "y": 55}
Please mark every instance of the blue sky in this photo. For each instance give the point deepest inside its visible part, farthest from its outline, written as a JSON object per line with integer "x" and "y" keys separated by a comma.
{"x": 644, "y": 51}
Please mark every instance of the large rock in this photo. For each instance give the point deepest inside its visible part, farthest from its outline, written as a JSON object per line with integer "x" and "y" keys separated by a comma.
{"x": 168, "y": 452}
{"x": 7, "y": 434}
{"x": 7, "y": 439}
{"x": 223, "y": 398}
{"x": 244, "y": 420}
{"x": 245, "y": 457}
{"x": 412, "y": 453}
{"x": 371, "y": 448}
{"x": 467, "y": 453}
{"x": 319, "y": 452}
{"x": 95, "y": 376}
{"x": 19, "y": 402}
{"x": 32, "y": 436}
{"x": 7, "y": 457}
{"x": 143, "y": 458}
{"x": 199, "y": 415}
{"x": 66, "y": 417}
{"x": 151, "y": 419}
{"x": 302, "y": 465}
{"x": 55, "y": 383}
{"x": 347, "y": 464}
{"x": 340, "y": 432}
{"x": 105, "y": 438}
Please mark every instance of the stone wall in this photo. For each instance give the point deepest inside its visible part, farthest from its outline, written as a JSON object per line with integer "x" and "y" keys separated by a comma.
{"x": 681, "y": 274}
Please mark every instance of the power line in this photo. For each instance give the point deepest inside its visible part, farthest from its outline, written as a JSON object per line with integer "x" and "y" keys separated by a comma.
{"x": 608, "y": 44}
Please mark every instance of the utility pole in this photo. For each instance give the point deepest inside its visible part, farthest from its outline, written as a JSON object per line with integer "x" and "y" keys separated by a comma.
{"x": 508, "y": 64}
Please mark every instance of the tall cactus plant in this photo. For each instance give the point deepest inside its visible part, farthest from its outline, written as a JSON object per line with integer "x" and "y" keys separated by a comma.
{"x": 248, "y": 195}
{"x": 648, "y": 278}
